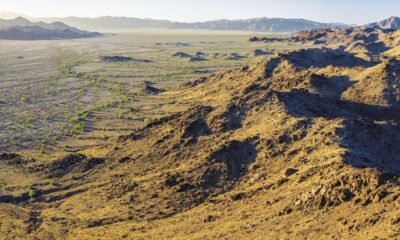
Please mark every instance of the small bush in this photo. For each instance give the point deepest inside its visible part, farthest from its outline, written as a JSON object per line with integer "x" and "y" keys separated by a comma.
{"x": 17, "y": 195}
{"x": 52, "y": 182}
{"x": 32, "y": 193}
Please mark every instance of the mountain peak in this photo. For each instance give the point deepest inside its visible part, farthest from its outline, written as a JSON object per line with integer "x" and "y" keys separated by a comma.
{"x": 390, "y": 23}
{"x": 20, "y": 21}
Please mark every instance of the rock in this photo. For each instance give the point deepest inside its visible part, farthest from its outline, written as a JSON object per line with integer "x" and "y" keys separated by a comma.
{"x": 235, "y": 57}
{"x": 285, "y": 211}
{"x": 260, "y": 52}
{"x": 182, "y": 55}
{"x": 210, "y": 218}
{"x": 197, "y": 59}
{"x": 290, "y": 171}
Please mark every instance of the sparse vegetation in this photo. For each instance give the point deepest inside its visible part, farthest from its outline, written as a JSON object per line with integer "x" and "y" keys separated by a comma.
{"x": 78, "y": 94}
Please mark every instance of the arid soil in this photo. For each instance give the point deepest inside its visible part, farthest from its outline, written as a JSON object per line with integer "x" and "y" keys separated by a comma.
{"x": 303, "y": 145}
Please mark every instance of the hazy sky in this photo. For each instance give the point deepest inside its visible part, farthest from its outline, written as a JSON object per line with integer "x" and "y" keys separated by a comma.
{"x": 347, "y": 11}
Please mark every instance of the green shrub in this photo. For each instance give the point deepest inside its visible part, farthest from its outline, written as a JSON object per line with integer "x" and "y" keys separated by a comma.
{"x": 32, "y": 193}
{"x": 52, "y": 182}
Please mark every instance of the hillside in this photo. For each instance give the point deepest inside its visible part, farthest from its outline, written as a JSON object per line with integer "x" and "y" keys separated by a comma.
{"x": 303, "y": 145}
{"x": 369, "y": 43}
{"x": 390, "y": 23}
{"x": 22, "y": 29}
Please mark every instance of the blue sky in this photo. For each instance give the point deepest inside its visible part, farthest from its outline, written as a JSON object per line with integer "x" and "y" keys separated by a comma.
{"x": 347, "y": 11}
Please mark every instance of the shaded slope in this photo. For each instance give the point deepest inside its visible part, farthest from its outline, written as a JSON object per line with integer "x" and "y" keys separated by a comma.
{"x": 390, "y": 23}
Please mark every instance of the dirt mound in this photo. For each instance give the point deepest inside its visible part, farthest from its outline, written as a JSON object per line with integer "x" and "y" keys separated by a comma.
{"x": 14, "y": 159}
{"x": 235, "y": 57}
{"x": 197, "y": 59}
{"x": 149, "y": 89}
{"x": 75, "y": 163}
{"x": 200, "y": 54}
{"x": 122, "y": 59}
{"x": 182, "y": 55}
{"x": 265, "y": 39}
{"x": 260, "y": 52}
{"x": 176, "y": 44}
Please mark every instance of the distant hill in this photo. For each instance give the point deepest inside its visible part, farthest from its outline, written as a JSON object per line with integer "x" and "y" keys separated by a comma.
{"x": 23, "y": 29}
{"x": 108, "y": 22}
{"x": 256, "y": 24}
{"x": 390, "y": 23}
{"x": 259, "y": 25}
{"x": 279, "y": 25}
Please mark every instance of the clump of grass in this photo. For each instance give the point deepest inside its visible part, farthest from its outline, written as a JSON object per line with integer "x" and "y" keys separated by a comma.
{"x": 27, "y": 122}
{"x": 32, "y": 193}
{"x": 52, "y": 182}
{"x": 78, "y": 127}
{"x": 81, "y": 117}
{"x": 79, "y": 122}
{"x": 5, "y": 187}
{"x": 134, "y": 110}
{"x": 23, "y": 99}
{"x": 42, "y": 149}
{"x": 120, "y": 115}
{"x": 17, "y": 195}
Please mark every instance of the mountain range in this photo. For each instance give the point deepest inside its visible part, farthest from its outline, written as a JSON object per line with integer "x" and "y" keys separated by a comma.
{"x": 279, "y": 25}
{"x": 23, "y": 29}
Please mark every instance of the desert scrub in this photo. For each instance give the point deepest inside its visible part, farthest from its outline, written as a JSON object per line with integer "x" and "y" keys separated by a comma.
{"x": 120, "y": 115}
{"x": 68, "y": 79}
{"x": 81, "y": 117}
{"x": 52, "y": 182}
{"x": 78, "y": 122}
{"x": 42, "y": 149}
{"x": 32, "y": 193}
{"x": 5, "y": 187}
{"x": 17, "y": 195}
{"x": 28, "y": 122}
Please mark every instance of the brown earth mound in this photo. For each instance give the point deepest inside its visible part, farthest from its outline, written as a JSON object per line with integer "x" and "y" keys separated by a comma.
{"x": 123, "y": 59}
